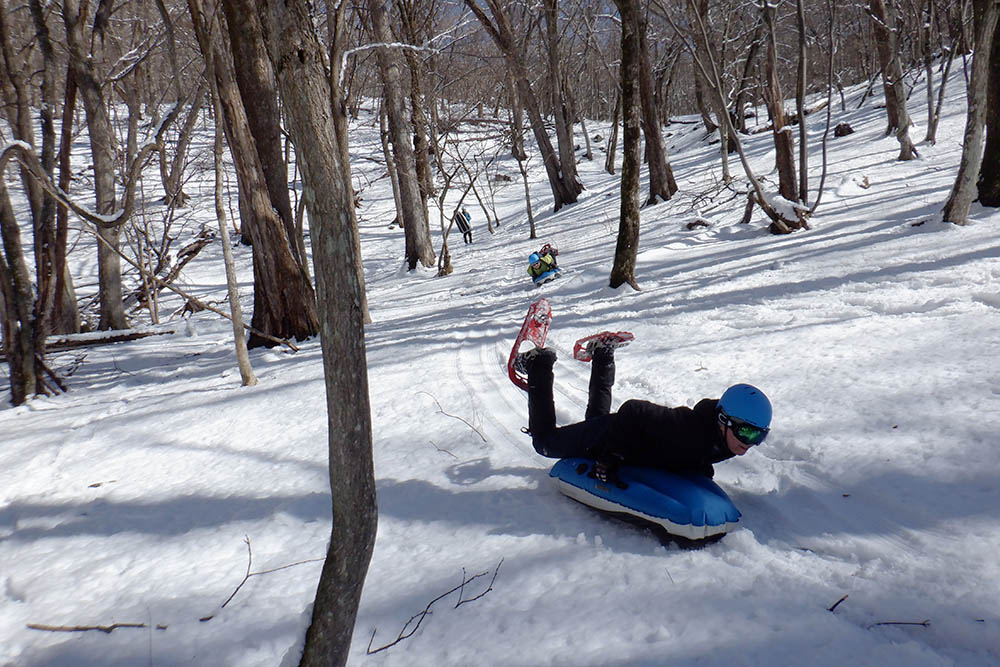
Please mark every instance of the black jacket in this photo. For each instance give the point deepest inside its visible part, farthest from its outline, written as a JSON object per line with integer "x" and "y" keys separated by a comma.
{"x": 679, "y": 439}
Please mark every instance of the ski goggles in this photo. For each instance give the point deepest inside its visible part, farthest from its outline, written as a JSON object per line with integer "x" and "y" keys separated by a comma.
{"x": 745, "y": 432}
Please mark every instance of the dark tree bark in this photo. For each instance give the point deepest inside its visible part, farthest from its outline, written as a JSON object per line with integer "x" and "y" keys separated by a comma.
{"x": 956, "y": 209}
{"x": 626, "y": 251}
{"x": 338, "y": 41}
{"x": 298, "y": 61}
{"x": 662, "y": 185}
{"x": 84, "y": 50}
{"x": 258, "y": 89}
{"x": 415, "y": 224}
{"x": 16, "y": 304}
{"x": 800, "y": 103}
{"x": 892, "y": 78}
{"x": 284, "y": 301}
{"x": 65, "y": 314}
{"x": 743, "y": 90}
{"x": 989, "y": 173}
{"x": 783, "y": 143}
{"x": 609, "y": 160}
{"x": 562, "y": 109}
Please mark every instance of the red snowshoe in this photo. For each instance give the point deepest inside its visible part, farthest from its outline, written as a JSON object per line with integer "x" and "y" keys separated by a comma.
{"x": 535, "y": 328}
{"x": 584, "y": 348}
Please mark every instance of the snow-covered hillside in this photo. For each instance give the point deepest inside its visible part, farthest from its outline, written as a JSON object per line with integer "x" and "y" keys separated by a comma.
{"x": 137, "y": 496}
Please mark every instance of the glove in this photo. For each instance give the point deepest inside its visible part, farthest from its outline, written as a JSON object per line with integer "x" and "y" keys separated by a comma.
{"x": 605, "y": 470}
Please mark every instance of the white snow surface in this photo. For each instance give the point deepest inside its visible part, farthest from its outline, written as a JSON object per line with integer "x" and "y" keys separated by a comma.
{"x": 132, "y": 497}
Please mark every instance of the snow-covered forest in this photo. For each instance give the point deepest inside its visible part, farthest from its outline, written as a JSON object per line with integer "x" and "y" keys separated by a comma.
{"x": 166, "y": 495}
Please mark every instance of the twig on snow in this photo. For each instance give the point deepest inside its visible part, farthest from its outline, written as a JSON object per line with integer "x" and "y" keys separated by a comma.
{"x": 249, "y": 574}
{"x": 441, "y": 410}
{"x": 925, "y": 623}
{"x": 837, "y": 603}
{"x": 106, "y": 629}
{"x": 406, "y": 632}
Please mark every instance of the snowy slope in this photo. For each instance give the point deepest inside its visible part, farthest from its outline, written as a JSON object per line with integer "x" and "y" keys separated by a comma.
{"x": 876, "y": 334}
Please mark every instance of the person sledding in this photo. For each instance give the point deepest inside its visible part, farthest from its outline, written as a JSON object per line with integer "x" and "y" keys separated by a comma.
{"x": 542, "y": 265}
{"x": 641, "y": 433}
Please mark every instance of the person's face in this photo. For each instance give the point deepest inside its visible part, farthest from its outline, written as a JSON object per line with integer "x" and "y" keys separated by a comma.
{"x": 735, "y": 446}
{"x": 537, "y": 264}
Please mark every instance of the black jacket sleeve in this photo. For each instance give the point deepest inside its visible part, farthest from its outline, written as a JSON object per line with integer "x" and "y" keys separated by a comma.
{"x": 678, "y": 439}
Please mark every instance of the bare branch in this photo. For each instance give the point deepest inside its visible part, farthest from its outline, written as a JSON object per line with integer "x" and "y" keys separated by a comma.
{"x": 406, "y": 632}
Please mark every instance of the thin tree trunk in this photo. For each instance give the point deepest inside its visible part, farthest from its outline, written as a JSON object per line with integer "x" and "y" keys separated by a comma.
{"x": 783, "y": 144}
{"x": 66, "y": 313}
{"x": 102, "y": 145}
{"x": 16, "y": 304}
{"x": 627, "y": 248}
{"x": 390, "y": 163}
{"x": 298, "y": 59}
{"x": 892, "y": 78}
{"x": 337, "y": 39}
{"x": 564, "y": 190}
{"x": 415, "y": 225}
{"x": 560, "y": 103}
{"x": 232, "y": 285}
{"x": 743, "y": 90}
{"x": 956, "y": 209}
{"x": 662, "y": 185}
{"x": 609, "y": 160}
{"x": 800, "y": 105}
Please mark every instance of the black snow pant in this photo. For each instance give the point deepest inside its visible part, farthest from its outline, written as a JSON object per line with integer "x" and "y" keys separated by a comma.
{"x": 579, "y": 439}
{"x": 465, "y": 228}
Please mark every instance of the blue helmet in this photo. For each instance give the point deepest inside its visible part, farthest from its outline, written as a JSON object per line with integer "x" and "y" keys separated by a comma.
{"x": 746, "y": 403}
{"x": 533, "y": 257}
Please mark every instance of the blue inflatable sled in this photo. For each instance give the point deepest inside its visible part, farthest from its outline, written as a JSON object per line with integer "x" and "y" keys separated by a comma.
{"x": 551, "y": 274}
{"x": 691, "y": 507}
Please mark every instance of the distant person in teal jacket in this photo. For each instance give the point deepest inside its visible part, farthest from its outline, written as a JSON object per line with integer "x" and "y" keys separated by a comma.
{"x": 462, "y": 220}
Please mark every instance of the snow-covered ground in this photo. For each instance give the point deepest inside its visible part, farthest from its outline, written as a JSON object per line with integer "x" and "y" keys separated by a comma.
{"x": 137, "y": 496}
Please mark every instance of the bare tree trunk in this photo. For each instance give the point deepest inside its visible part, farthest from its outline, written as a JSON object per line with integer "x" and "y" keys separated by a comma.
{"x": 626, "y": 251}
{"x": 16, "y": 303}
{"x": 517, "y": 150}
{"x": 102, "y": 145}
{"x": 337, "y": 39}
{"x": 390, "y": 163}
{"x": 783, "y": 144}
{"x": 284, "y": 301}
{"x": 66, "y": 313}
{"x": 989, "y": 173}
{"x": 743, "y": 91}
{"x": 662, "y": 185}
{"x": 800, "y": 105}
{"x": 232, "y": 285}
{"x": 258, "y": 90}
{"x": 609, "y": 160}
{"x": 561, "y": 106}
{"x": 892, "y": 78}
{"x": 956, "y": 209}
{"x": 564, "y": 190}
{"x": 516, "y": 120}
{"x": 704, "y": 48}
{"x": 298, "y": 59}
{"x": 415, "y": 225}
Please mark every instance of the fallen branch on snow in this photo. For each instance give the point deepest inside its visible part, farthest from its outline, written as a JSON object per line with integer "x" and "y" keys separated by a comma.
{"x": 419, "y": 617}
{"x": 107, "y": 629}
{"x": 249, "y": 574}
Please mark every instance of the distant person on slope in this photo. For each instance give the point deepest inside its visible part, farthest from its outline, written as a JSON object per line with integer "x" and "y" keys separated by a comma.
{"x": 641, "y": 433}
{"x": 463, "y": 220}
